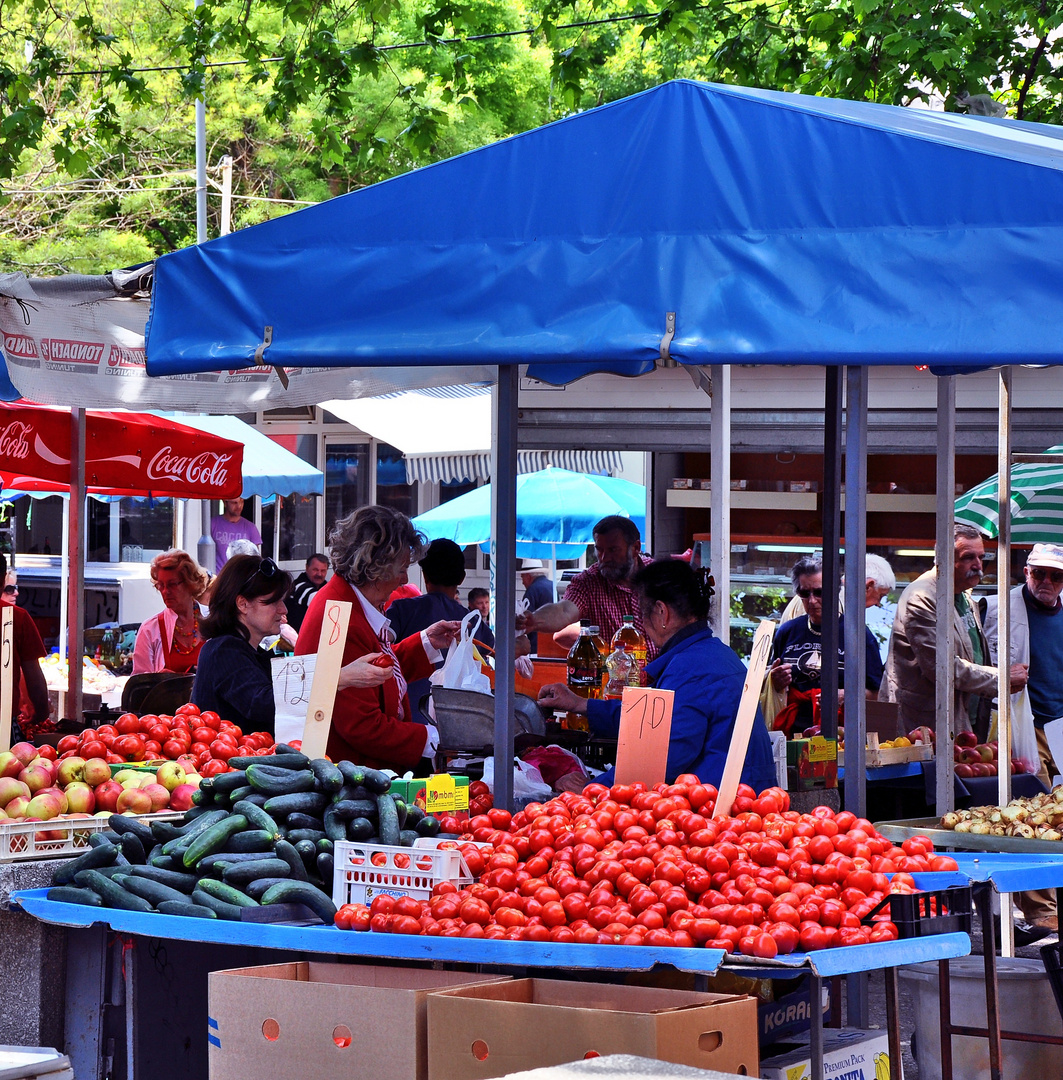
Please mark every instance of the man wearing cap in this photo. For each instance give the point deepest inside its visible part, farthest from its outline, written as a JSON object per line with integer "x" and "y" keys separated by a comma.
{"x": 1037, "y": 641}
{"x": 538, "y": 591}
{"x": 910, "y": 678}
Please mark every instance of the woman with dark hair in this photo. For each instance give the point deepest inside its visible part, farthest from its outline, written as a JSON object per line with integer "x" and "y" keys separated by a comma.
{"x": 233, "y": 678}
{"x": 371, "y": 551}
{"x": 705, "y": 674}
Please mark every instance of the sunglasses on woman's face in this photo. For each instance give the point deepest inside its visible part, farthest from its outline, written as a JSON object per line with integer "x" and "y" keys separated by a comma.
{"x": 267, "y": 568}
{"x": 1038, "y": 573}
{"x": 10, "y": 590}
{"x": 806, "y": 593}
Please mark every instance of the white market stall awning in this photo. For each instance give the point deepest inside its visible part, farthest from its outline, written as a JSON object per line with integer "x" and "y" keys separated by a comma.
{"x": 444, "y": 434}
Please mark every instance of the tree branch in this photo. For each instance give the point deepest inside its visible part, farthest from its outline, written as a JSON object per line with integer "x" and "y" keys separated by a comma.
{"x": 1028, "y": 77}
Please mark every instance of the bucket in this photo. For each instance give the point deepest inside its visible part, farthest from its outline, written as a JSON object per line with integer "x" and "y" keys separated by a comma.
{"x": 466, "y": 719}
{"x": 1026, "y": 1005}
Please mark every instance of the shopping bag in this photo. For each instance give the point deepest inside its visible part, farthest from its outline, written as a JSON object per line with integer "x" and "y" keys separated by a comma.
{"x": 461, "y": 670}
{"x": 1023, "y": 733}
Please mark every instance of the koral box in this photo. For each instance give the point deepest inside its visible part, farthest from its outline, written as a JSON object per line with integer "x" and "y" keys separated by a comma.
{"x": 490, "y": 1030}
{"x": 318, "y": 1021}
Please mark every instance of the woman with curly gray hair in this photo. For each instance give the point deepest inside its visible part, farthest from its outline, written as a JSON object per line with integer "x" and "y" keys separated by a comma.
{"x": 371, "y": 551}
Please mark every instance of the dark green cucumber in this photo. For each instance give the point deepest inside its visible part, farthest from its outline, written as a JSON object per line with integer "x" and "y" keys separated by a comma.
{"x": 220, "y": 908}
{"x": 187, "y": 909}
{"x": 360, "y": 829}
{"x": 277, "y": 761}
{"x": 255, "y": 889}
{"x": 335, "y": 826}
{"x": 97, "y": 839}
{"x": 360, "y": 807}
{"x": 326, "y": 867}
{"x": 284, "y": 849}
{"x": 201, "y": 798}
{"x": 304, "y": 802}
{"x": 188, "y": 834}
{"x": 213, "y": 865}
{"x": 305, "y": 821}
{"x": 226, "y": 893}
{"x": 388, "y": 817}
{"x": 283, "y": 749}
{"x": 250, "y": 840}
{"x": 428, "y": 826}
{"x": 166, "y": 862}
{"x": 71, "y": 894}
{"x": 93, "y": 859}
{"x": 279, "y": 781}
{"x": 414, "y": 814}
{"x": 213, "y": 838}
{"x": 111, "y": 892}
{"x": 307, "y": 850}
{"x": 348, "y": 809}
{"x": 164, "y": 830}
{"x": 154, "y": 853}
{"x": 229, "y": 781}
{"x": 352, "y": 774}
{"x": 124, "y": 825}
{"x": 241, "y": 874}
{"x": 222, "y": 800}
{"x": 192, "y": 813}
{"x": 407, "y": 837}
{"x": 378, "y": 783}
{"x": 326, "y": 845}
{"x": 301, "y": 892}
{"x": 183, "y": 883}
{"x": 328, "y": 778}
{"x": 152, "y": 891}
{"x": 257, "y": 818}
{"x": 83, "y": 881}
{"x": 298, "y": 835}
{"x": 401, "y": 810}
{"x": 133, "y": 849}
{"x": 240, "y": 793}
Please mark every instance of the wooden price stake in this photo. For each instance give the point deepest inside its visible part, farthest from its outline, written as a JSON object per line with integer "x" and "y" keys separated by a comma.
{"x": 747, "y": 713}
{"x": 326, "y": 677}
{"x": 645, "y": 727}
{"x": 7, "y": 674}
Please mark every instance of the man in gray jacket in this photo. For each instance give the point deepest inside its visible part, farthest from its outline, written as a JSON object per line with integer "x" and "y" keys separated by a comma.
{"x": 910, "y": 676}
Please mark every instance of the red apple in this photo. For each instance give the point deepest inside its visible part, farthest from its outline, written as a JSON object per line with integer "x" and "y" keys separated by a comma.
{"x": 96, "y": 772}
{"x": 966, "y": 738}
{"x": 44, "y": 806}
{"x": 986, "y": 753}
{"x": 9, "y": 764}
{"x": 25, "y": 752}
{"x": 16, "y": 808}
{"x": 107, "y": 795}
{"x": 134, "y": 800}
{"x": 159, "y": 796}
{"x": 71, "y": 771}
{"x": 970, "y": 756}
{"x": 181, "y": 797}
{"x": 10, "y": 788}
{"x": 80, "y": 798}
{"x": 38, "y": 775}
{"x": 59, "y": 794}
{"x": 171, "y": 775}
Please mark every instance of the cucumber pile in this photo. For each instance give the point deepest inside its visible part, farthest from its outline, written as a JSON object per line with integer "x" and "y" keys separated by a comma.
{"x": 260, "y": 834}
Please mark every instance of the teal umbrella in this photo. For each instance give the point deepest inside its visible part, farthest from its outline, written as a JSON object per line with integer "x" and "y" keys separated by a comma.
{"x": 1036, "y": 503}
{"x": 556, "y": 511}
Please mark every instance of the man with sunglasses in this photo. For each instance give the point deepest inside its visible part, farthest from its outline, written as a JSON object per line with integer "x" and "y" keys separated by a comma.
{"x": 797, "y": 654}
{"x": 1037, "y": 642}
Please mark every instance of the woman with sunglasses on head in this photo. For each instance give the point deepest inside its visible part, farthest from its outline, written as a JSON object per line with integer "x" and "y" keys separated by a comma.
{"x": 371, "y": 551}
{"x": 705, "y": 675}
{"x": 234, "y": 678}
{"x": 797, "y": 653}
{"x": 171, "y": 640}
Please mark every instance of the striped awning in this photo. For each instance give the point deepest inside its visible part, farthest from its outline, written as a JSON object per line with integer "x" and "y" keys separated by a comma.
{"x": 466, "y": 468}
{"x": 1036, "y": 503}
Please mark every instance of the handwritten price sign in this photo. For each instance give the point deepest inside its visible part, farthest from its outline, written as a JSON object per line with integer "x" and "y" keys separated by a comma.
{"x": 326, "y": 677}
{"x": 7, "y": 674}
{"x": 645, "y": 728}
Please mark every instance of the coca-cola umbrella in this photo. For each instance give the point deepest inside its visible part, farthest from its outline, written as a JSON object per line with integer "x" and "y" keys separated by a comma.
{"x": 125, "y": 454}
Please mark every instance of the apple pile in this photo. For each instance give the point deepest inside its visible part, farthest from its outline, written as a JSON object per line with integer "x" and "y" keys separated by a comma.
{"x": 36, "y": 787}
{"x": 201, "y": 742}
{"x": 973, "y": 758}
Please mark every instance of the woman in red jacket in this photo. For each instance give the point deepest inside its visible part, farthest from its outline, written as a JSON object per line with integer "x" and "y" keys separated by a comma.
{"x": 371, "y": 550}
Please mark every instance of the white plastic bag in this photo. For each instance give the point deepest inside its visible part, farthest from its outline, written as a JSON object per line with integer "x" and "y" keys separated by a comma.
{"x": 1023, "y": 733}
{"x": 461, "y": 670}
{"x": 528, "y": 782}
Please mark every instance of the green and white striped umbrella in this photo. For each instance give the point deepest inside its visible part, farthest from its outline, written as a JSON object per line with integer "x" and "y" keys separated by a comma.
{"x": 1036, "y": 503}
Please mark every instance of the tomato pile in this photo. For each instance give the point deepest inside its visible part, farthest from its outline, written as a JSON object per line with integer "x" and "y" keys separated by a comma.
{"x": 204, "y": 739}
{"x": 629, "y": 865}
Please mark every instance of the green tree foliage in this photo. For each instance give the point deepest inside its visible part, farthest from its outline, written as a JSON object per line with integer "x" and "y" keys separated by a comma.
{"x": 312, "y": 98}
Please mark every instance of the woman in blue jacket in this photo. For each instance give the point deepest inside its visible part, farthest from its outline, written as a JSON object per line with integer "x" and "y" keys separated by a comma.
{"x": 705, "y": 674}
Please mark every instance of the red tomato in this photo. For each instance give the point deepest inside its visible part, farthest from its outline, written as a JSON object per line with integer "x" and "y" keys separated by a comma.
{"x": 814, "y": 937}
{"x": 173, "y": 749}
{"x": 210, "y": 719}
{"x": 67, "y": 743}
{"x": 213, "y": 767}
{"x": 222, "y": 750}
{"x": 127, "y": 724}
{"x": 131, "y": 747}
{"x": 203, "y": 734}
{"x": 188, "y": 709}
{"x": 93, "y": 749}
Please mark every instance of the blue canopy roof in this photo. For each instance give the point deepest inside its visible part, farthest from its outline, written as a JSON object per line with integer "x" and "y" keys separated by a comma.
{"x": 780, "y": 228}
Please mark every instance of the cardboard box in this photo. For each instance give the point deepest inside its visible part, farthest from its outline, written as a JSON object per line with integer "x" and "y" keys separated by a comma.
{"x": 487, "y": 1031}
{"x": 847, "y": 1053}
{"x": 440, "y": 794}
{"x": 789, "y": 1014}
{"x": 319, "y": 1021}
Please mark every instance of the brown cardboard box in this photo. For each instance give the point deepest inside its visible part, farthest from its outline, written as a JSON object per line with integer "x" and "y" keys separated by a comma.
{"x": 487, "y": 1031}
{"x": 318, "y": 1021}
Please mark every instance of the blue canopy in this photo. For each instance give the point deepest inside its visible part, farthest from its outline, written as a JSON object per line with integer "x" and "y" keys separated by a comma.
{"x": 556, "y": 512}
{"x": 780, "y": 228}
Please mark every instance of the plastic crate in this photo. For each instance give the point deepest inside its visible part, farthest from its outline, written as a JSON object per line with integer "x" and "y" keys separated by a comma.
{"x": 935, "y": 911}
{"x": 363, "y": 871}
{"x": 59, "y": 837}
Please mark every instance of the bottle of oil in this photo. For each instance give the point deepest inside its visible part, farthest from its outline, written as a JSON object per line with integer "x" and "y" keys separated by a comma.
{"x": 635, "y": 644}
{"x": 584, "y": 674}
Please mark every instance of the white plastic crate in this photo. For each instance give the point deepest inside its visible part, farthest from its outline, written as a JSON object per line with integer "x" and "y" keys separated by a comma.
{"x": 366, "y": 870}
{"x": 59, "y": 837}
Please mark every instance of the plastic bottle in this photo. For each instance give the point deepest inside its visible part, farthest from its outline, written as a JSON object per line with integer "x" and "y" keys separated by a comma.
{"x": 584, "y": 674}
{"x": 618, "y": 667}
{"x": 603, "y": 651}
{"x": 635, "y": 644}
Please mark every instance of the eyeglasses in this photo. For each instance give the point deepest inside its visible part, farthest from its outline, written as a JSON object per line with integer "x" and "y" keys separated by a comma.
{"x": 10, "y": 590}
{"x": 1038, "y": 573}
{"x": 267, "y": 568}
{"x": 806, "y": 593}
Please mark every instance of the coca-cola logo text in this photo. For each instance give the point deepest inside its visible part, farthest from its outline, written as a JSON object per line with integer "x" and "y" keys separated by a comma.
{"x": 14, "y": 441}
{"x": 209, "y": 468}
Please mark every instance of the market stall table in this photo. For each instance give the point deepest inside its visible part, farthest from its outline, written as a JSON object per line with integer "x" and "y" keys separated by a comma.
{"x": 587, "y": 958}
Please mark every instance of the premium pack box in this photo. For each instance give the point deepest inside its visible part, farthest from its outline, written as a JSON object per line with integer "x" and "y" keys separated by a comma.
{"x": 485, "y": 1031}
{"x": 318, "y": 1021}
{"x": 847, "y": 1052}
